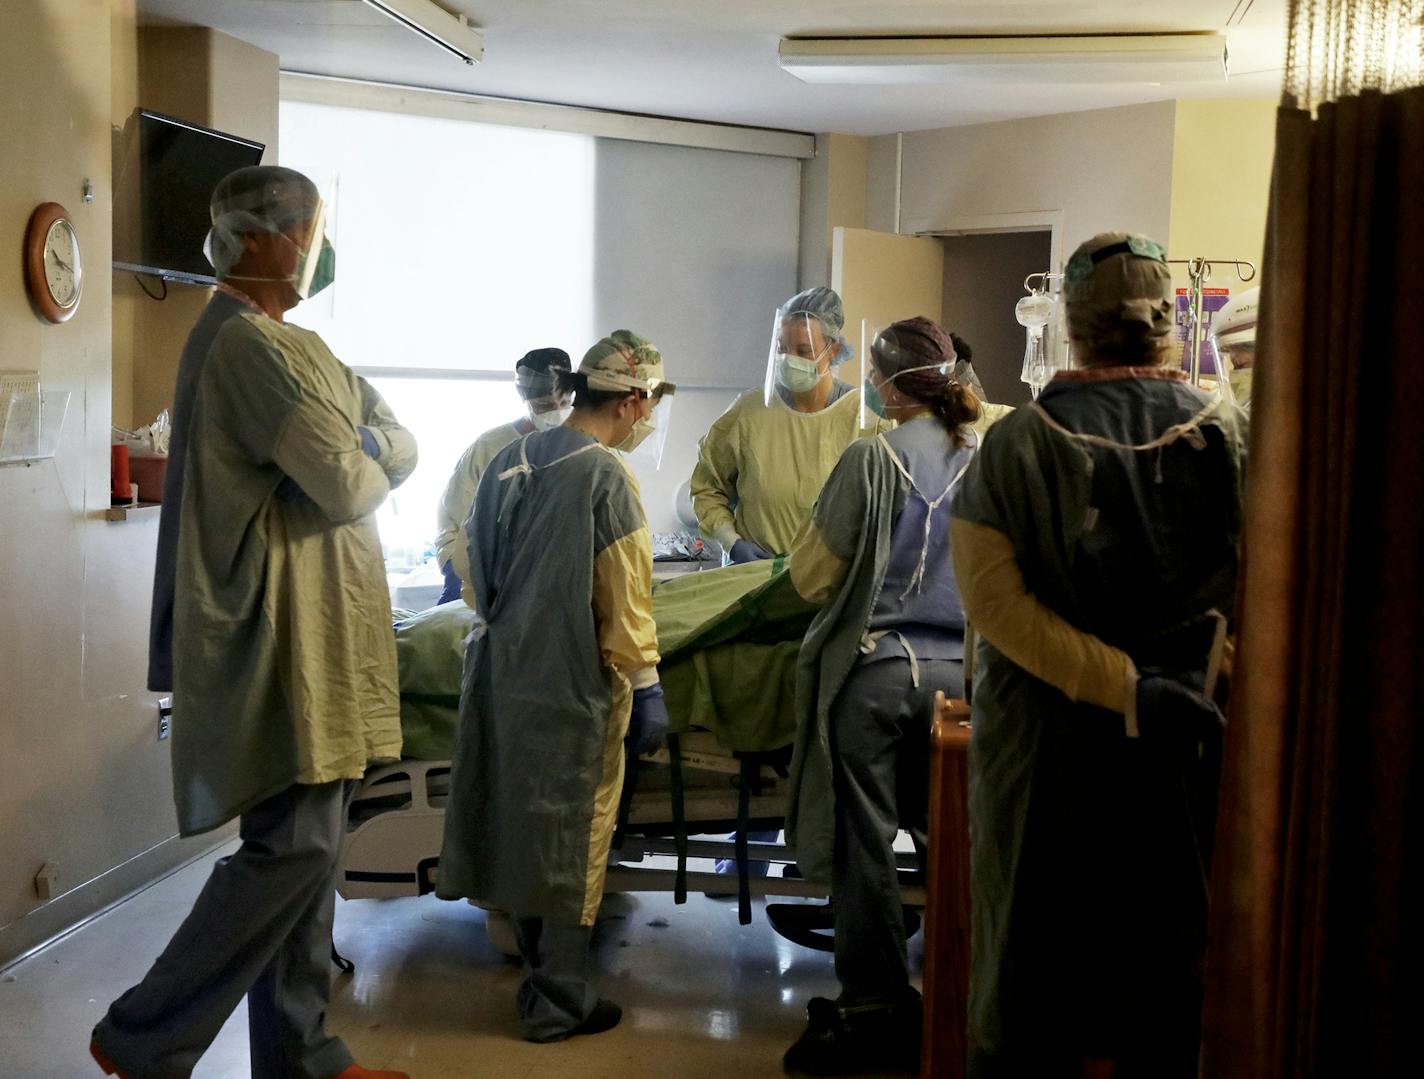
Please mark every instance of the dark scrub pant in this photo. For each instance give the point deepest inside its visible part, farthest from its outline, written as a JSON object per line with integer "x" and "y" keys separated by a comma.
{"x": 557, "y": 992}
{"x": 262, "y": 927}
{"x": 451, "y": 591}
{"x": 880, "y": 749}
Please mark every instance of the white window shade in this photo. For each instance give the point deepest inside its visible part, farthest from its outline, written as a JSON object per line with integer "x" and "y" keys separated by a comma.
{"x": 462, "y": 245}
{"x": 695, "y": 249}
{"x": 459, "y": 246}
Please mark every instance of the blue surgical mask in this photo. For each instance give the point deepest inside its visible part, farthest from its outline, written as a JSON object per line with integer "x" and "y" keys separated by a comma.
{"x": 796, "y": 374}
{"x": 873, "y": 400}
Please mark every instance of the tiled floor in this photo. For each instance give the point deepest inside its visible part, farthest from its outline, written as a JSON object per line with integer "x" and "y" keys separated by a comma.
{"x": 704, "y": 997}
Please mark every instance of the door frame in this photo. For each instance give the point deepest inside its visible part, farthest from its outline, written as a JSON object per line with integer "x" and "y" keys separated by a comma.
{"x": 1050, "y": 221}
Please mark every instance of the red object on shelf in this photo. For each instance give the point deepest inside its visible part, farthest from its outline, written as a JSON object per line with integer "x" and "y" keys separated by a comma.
{"x": 148, "y": 473}
{"x": 120, "y": 485}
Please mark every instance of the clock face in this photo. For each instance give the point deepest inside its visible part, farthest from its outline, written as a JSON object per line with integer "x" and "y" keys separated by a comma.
{"x": 64, "y": 275}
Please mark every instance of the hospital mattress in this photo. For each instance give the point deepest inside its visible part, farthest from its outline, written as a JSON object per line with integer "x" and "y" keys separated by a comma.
{"x": 729, "y": 639}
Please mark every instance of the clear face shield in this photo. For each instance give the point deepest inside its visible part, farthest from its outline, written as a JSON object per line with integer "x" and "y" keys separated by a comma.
{"x": 548, "y": 407}
{"x": 872, "y": 403}
{"x": 801, "y": 357}
{"x": 880, "y": 352}
{"x": 1233, "y": 360}
{"x": 315, "y": 265}
{"x": 645, "y": 444}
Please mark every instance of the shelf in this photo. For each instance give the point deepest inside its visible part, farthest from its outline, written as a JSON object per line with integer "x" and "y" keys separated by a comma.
{"x": 123, "y": 513}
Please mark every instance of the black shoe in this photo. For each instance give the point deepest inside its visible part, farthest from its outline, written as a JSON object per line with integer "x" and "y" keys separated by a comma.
{"x": 851, "y": 1041}
{"x": 605, "y": 1016}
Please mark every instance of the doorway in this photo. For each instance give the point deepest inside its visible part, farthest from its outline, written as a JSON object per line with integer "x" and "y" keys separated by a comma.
{"x": 983, "y": 280}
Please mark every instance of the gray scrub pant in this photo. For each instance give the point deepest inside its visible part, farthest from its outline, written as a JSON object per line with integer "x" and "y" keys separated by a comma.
{"x": 880, "y": 733}
{"x": 262, "y": 927}
{"x": 557, "y": 992}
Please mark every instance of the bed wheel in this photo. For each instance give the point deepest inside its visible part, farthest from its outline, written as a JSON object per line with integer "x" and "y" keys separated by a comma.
{"x": 812, "y": 925}
{"x": 499, "y": 927}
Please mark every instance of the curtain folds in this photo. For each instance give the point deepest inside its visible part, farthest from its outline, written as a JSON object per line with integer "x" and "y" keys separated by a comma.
{"x": 1318, "y": 911}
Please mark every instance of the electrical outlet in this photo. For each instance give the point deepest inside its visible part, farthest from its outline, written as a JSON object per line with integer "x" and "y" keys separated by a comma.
{"x": 47, "y": 881}
{"x": 165, "y": 717}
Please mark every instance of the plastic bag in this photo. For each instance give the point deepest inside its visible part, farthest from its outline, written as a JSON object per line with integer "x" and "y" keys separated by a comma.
{"x": 149, "y": 441}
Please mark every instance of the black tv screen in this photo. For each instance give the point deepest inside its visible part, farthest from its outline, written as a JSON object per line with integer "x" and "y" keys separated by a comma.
{"x": 169, "y": 170}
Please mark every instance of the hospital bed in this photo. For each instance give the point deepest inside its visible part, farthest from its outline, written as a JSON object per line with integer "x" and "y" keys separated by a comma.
{"x": 729, "y": 640}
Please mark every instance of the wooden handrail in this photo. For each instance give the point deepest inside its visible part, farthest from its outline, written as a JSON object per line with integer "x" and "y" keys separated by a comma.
{"x": 945, "y": 1042}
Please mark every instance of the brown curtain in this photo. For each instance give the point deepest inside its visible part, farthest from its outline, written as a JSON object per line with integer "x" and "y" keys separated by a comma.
{"x": 1317, "y": 906}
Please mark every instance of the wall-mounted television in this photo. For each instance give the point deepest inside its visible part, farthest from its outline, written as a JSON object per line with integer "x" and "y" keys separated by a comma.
{"x": 169, "y": 168}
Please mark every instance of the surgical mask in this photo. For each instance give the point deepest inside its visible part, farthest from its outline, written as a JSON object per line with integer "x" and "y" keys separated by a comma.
{"x": 1241, "y": 386}
{"x": 873, "y": 400}
{"x": 547, "y": 421}
{"x": 321, "y": 276}
{"x": 642, "y": 428}
{"x": 315, "y": 269}
{"x": 796, "y": 374}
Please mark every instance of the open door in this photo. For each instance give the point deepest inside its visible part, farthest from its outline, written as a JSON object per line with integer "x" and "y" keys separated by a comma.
{"x": 883, "y": 277}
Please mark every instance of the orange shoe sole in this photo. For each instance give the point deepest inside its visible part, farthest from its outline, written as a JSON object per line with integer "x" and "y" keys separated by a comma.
{"x": 105, "y": 1065}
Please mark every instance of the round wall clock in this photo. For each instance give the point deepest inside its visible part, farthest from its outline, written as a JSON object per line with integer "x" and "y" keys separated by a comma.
{"x": 54, "y": 271}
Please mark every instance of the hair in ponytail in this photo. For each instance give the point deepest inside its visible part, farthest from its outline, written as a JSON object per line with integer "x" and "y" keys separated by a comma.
{"x": 956, "y": 406}
{"x": 919, "y": 356}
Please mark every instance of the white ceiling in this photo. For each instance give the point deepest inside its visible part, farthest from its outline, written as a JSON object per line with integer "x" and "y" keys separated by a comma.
{"x": 716, "y": 59}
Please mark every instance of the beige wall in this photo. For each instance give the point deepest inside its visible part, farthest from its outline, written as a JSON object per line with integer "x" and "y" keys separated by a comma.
{"x": 123, "y": 96}
{"x": 833, "y": 194}
{"x": 1221, "y": 178}
{"x": 84, "y": 782}
{"x": 882, "y": 176}
{"x": 1193, "y": 174}
{"x": 1082, "y": 171}
{"x": 209, "y": 78}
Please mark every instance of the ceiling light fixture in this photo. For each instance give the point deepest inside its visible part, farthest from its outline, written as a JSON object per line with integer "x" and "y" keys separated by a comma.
{"x": 1066, "y": 58}
{"x": 453, "y": 33}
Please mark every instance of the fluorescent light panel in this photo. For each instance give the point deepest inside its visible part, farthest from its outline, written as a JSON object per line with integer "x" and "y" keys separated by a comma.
{"x": 1108, "y": 58}
{"x": 436, "y": 25}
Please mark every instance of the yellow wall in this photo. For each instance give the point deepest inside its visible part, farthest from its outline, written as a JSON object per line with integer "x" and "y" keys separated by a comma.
{"x": 1221, "y": 176}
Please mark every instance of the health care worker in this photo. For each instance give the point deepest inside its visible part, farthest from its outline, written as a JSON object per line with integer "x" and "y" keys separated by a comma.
{"x": 536, "y": 376}
{"x": 1095, "y": 544}
{"x": 271, "y": 627}
{"x": 1233, "y": 340}
{"x": 762, "y": 464}
{"x": 890, "y": 635}
{"x": 561, "y": 668}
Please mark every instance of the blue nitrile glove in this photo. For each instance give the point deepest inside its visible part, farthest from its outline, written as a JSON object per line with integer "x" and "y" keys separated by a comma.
{"x": 744, "y": 550}
{"x": 1170, "y": 708}
{"x": 369, "y": 446}
{"x": 648, "y": 725}
{"x": 288, "y": 491}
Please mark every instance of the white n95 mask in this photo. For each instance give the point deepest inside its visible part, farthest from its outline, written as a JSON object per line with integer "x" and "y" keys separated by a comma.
{"x": 641, "y": 430}
{"x": 547, "y": 421}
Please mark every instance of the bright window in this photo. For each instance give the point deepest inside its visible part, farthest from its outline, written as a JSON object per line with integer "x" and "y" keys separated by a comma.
{"x": 460, "y": 247}
{"x": 445, "y": 415}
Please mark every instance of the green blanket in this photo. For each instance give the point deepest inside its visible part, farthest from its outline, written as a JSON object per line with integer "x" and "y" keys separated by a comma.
{"x": 728, "y": 637}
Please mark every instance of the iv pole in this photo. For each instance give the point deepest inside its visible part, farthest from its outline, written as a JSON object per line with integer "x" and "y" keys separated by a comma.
{"x": 1198, "y": 274}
